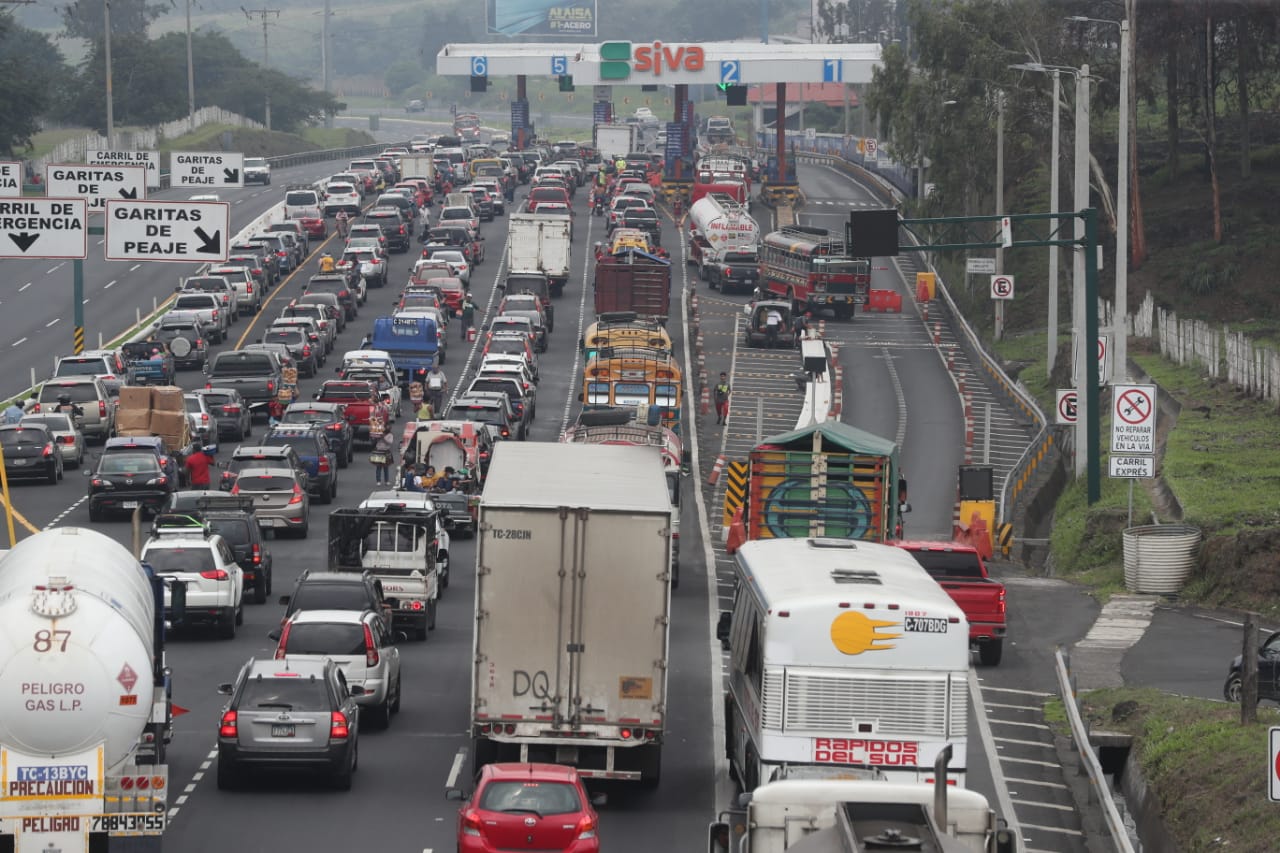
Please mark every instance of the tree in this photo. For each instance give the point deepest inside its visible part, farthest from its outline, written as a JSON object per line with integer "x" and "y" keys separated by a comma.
{"x": 401, "y": 76}
{"x": 85, "y": 19}
{"x": 32, "y": 73}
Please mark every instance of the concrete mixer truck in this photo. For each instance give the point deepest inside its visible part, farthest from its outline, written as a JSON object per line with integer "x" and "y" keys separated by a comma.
{"x": 86, "y": 711}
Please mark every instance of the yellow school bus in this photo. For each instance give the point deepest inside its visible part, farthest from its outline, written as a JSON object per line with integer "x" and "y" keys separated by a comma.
{"x": 623, "y": 329}
{"x": 635, "y": 376}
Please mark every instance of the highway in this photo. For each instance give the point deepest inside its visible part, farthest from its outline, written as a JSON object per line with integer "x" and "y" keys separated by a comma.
{"x": 896, "y": 385}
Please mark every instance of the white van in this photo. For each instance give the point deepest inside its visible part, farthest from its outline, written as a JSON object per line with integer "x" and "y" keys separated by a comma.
{"x": 302, "y": 202}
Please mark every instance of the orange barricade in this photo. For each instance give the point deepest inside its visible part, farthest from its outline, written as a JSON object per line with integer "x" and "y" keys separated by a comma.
{"x": 884, "y": 301}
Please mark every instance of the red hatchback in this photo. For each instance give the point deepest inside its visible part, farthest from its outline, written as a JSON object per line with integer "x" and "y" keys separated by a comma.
{"x": 528, "y": 807}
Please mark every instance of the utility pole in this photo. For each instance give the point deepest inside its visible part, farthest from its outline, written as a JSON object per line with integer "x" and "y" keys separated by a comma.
{"x": 1086, "y": 349}
{"x": 999, "y": 323}
{"x": 1120, "y": 324}
{"x": 191, "y": 78}
{"x": 327, "y": 70}
{"x": 106, "y": 41}
{"x": 1053, "y": 226}
{"x": 264, "y": 14}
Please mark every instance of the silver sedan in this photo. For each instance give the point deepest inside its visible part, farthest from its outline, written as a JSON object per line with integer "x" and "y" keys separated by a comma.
{"x": 65, "y": 434}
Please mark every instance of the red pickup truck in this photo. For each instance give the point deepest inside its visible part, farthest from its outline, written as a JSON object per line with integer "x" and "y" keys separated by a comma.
{"x": 959, "y": 570}
{"x": 363, "y": 403}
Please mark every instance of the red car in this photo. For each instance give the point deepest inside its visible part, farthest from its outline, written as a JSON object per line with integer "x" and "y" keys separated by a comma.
{"x": 528, "y": 807}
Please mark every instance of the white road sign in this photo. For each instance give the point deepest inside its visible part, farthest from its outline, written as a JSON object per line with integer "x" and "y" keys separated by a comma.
{"x": 1143, "y": 467}
{"x": 1066, "y": 406}
{"x": 96, "y": 184}
{"x": 1001, "y": 287}
{"x": 44, "y": 228}
{"x": 873, "y": 145}
{"x": 10, "y": 179}
{"x": 149, "y": 159}
{"x": 1104, "y": 358}
{"x": 980, "y": 266}
{"x": 1133, "y": 419}
{"x": 1273, "y": 765}
{"x": 206, "y": 169}
{"x": 168, "y": 230}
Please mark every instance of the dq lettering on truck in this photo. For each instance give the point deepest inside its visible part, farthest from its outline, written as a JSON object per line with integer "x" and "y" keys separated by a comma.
{"x": 877, "y": 753}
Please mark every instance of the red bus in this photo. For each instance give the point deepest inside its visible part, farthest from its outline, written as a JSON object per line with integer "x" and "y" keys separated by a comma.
{"x": 809, "y": 268}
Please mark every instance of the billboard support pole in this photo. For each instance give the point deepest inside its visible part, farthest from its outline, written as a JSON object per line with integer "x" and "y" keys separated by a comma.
{"x": 780, "y": 126}
{"x": 521, "y": 96}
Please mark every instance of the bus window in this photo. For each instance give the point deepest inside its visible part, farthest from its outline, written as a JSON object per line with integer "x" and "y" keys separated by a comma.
{"x": 666, "y": 395}
{"x": 598, "y": 393}
{"x": 630, "y": 393}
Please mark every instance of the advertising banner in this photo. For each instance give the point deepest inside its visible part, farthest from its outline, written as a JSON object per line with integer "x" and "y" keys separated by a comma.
{"x": 575, "y": 18}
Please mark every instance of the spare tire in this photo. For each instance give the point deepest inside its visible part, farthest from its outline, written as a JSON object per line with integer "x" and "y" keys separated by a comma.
{"x": 180, "y": 347}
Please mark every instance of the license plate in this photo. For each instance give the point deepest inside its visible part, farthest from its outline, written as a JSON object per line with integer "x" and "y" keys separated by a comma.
{"x": 925, "y": 625}
{"x": 19, "y": 462}
{"x": 282, "y": 730}
{"x": 128, "y": 504}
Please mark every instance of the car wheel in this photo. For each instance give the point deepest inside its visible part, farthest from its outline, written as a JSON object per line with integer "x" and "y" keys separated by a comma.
{"x": 268, "y": 574}
{"x": 342, "y": 779}
{"x": 227, "y": 624}
{"x": 344, "y": 458}
{"x": 990, "y": 652}
{"x": 227, "y": 775}
{"x": 431, "y": 614}
{"x": 305, "y": 528}
{"x": 240, "y": 611}
{"x": 1233, "y": 690}
{"x": 395, "y": 703}
{"x": 52, "y": 479}
{"x": 95, "y": 514}
{"x": 260, "y": 588}
{"x": 248, "y": 427}
{"x": 380, "y": 714}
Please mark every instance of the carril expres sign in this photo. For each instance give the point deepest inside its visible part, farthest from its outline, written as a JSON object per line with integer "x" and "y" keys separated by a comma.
{"x": 620, "y": 59}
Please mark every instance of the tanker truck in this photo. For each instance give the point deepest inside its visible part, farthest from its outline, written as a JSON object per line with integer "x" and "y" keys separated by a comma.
{"x": 86, "y": 711}
{"x": 723, "y": 239}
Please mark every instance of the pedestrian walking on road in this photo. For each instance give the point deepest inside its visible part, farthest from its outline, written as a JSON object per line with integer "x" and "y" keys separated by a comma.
{"x": 721, "y": 394}
{"x": 13, "y": 414}
{"x": 437, "y": 384}
{"x": 468, "y": 314}
{"x": 383, "y": 457}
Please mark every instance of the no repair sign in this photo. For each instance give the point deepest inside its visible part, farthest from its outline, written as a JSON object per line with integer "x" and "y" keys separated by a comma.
{"x": 168, "y": 231}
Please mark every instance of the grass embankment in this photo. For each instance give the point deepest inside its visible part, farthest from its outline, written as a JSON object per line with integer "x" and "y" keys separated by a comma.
{"x": 1207, "y": 771}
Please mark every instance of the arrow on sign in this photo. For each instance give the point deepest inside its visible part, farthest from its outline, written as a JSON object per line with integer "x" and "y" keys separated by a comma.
{"x": 132, "y": 192}
{"x": 24, "y": 240}
{"x": 210, "y": 245}
{"x": 232, "y": 175}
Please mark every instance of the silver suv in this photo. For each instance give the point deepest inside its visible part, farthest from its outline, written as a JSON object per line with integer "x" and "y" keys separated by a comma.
{"x": 298, "y": 714}
{"x": 215, "y": 317}
{"x": 204, "y": 563}
{"x": 97, "y": 415}
{"x": 359, "y": 643}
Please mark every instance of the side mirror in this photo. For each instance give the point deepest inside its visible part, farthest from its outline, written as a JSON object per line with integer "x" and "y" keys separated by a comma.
{"x": 454, "y": 794}
{"x": 599, "y": 799}
{"x": 86, "y": 472}
{"x": 274, "y": 635}
{"x": 904, "y": 507}
{"x": 718, "y": 837}
{"x": 722, "y": 628}
{"x": 226, "y": 688}
{"x": 356, "y": 690}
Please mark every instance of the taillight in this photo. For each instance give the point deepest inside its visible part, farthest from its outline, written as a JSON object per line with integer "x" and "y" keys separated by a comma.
{"x": 48, "y": 450}
{"x": 1000, "y": 603}
{"x": 102, "y": 408}
{"x": 215, "y": 313}
{"x": 228, "y": 728}
{"x": 215, "y": 574}
{"x": 271, "y": 386}
{"x": 297, "y": 494}
{"x": 36, "y": 407}
{"x": 586, "y": 827}
{"x": 471, "y": 824}
{"x": 257, "y": 555}
{"x": 230, "y": 409}
{"x": 370, "y": 650}
{"x": 199, "y": 344}
{"x": 401, "y": 229}
{"x": 324, "y": 465}
{"x": 248, "y": 285}
{"x": 306, "y": 350}
{"x": 235, "y": 490}
{"x": 283, "y": 645}
{"x": 338, "y": 728}
{"x": 67, "y": 439}
{"x": 204, "y": 417}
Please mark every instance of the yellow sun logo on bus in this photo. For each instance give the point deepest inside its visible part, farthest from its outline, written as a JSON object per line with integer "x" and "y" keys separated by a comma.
{"x": 854, "y": 633}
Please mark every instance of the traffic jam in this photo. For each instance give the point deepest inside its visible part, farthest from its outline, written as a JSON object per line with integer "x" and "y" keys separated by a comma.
{"x": 369, "y": 402}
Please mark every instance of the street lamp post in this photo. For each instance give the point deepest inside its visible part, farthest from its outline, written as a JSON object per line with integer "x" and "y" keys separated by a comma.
{"x": 106, "y": 42}
{"x": 1120, "y": 325}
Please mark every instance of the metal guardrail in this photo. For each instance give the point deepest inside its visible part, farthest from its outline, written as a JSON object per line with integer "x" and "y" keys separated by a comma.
{"x": 1080, "y": 735}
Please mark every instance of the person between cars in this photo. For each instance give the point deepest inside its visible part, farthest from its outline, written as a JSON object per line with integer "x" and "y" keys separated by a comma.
{"x": 426, "y": 412}
{"x": 198, "y": 465}
{"x": 342, "y": 220}
{"x": 429, "y": 479}
{"x": 467, "y": 314}
{"x": 437, "y": 384}
{"x": 66, "y": 407}
{"x": 31, "y": 402}
{"x": 721, "y": 393}
{"x": 448, "y": 481}
{"x": 801, "y": 327}
{"x": 382, "y": 456}
{"x": 327, "y": 263}
{"x": 13, "y": 414}
{"x": 772, "y": 325}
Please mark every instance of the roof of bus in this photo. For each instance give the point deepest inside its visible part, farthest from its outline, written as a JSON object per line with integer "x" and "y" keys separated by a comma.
{"x": 798, "y": 574}
{"x": 632, "y": 358}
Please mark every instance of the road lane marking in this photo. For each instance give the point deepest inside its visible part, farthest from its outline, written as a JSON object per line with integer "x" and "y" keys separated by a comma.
{"x": 1055, "y": 765}
{"x": 1059, "y": 829}
{"x": 1040, "y": 783}
{"x": 1000, "y": 722}
{"x": 134, "y": 267}
{"x": 570, "y": 397}
{"x": 1035, "y": 804}
{"x": 110, "y": 284}
{"x": 51, "y": 322}
{"x": 993, "y": 758}
{"x": 24, "y": 287}
{"x": 56, "y": 268}
{"x": 1036, "y": 743}
{"x": 456, "y": 770}
{"x": 1039, "y": 693}
{"x": 19, "y": 341}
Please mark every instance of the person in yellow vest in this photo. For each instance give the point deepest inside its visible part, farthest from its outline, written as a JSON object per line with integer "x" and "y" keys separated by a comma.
{"x": 327, "y": 263}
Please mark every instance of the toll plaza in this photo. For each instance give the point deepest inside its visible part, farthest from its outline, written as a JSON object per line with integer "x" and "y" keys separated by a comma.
{"x": 730, "y": 64}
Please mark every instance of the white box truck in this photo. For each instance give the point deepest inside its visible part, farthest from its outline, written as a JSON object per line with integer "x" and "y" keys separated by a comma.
{"x": 417, "y": 166}
{"x": 615, "y": 141}
{"x": 540, "y": 243}
{"x": 572, "y": 609}
{"x": 86, "y": 711}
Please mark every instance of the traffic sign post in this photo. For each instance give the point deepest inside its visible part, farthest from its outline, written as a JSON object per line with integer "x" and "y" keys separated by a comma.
{"x": 979, "y": 266}
{"x": 1133, "y": 419}
{"x": 872, "y": 146}
{"x": 44, "y": 228}
{"x": 1066, "y": 408}
{"x": 1001, "y": 292}
{"x": 96, "y": 184}
{"x": 185, "y": 231}
{"x": 10, "y": 179}
{"x": 206, "y": 170}
{"x": 1273, "y": 764}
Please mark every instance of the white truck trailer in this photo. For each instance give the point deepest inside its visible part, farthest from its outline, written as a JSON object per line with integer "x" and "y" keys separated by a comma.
{"x": 540, "y": 243}
{"x": 418, "y": 166}
{"x": 573, "y": 580}
{"x": 615, "y": 141}
{"x": 86, "y": 712}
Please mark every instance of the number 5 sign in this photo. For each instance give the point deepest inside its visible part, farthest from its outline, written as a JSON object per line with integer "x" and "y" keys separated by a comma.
{"x": 1001, "y": 287}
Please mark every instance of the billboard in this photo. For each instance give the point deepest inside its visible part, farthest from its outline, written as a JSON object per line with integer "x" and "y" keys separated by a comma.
{"x": 575, "y": 18}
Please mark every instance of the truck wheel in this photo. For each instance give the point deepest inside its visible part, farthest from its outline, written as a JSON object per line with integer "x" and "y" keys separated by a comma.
{"x": 227, "y": 624}
{"x": 675, "y": 574}
{"x": 483, "y": 752}
{"x": 990, "y": 652}
{"x": 442, "y": 565}
{"x": 651, "y": 766}
{"x": 431, "y": 614}
{"x": 227, "y": 775}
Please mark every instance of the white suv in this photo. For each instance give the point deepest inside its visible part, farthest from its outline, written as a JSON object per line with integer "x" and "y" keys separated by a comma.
{"x": 257, "y": 170}
{"x": 358, "y": 642}
{"x": 341, "y": 197}
{"x": 205, "y": 565}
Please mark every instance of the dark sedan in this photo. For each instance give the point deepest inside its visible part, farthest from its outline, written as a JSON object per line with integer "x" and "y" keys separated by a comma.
{"x": 29, "y": 452}
{"x": 126, "y": 481}
{"x": 332, "y": 418}
{"x": 230, "y": 412}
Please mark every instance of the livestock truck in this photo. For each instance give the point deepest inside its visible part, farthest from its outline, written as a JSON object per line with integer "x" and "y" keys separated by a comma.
{"x": 540, "y": 243}
{"x": 86, "y": 712}
{"x": 634, "y": 281}
{"x": 573, "y": 578}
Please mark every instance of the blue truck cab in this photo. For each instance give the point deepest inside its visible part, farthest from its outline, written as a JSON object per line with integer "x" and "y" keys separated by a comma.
{"x": 412, "y": 342}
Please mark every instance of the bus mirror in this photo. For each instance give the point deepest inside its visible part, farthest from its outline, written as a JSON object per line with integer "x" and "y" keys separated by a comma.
{"x": 579, "y": 396}
{"x": 904, "y": 507}
{"x": 718, "y": 837}
{"x": 722, "y": 629}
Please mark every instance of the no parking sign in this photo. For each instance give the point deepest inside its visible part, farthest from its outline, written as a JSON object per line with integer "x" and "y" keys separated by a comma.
{"x": 1001, "y": 287}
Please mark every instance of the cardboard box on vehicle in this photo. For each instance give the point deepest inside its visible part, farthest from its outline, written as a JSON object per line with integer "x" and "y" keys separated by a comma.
{"x": 133, "y": 419}
{"x": 132, "y": 432}
{"x": 135, "y": 397}
{"x": 167, "y": 398}
{"x": 168, "y": 423}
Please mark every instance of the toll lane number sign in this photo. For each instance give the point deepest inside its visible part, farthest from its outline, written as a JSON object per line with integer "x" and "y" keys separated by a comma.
{"x": 1133, "y": 419}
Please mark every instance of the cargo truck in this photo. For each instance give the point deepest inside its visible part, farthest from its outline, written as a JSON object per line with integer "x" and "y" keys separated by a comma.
{"x": 417, "y": 166}
{"x": 614, "y": 141}
{"x": 540, "y": 244}
{"x": 573, "y": 582}
{"x": 397, "y": 545}
{"x": 87, "y": 710}
{"x": 633, "y": 280}
{"x": 825, "y": 480}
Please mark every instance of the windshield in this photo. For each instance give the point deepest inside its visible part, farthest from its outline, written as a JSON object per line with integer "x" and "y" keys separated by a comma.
{"x": 129, "y": 463}
{"x": 55, "y": 423}
{"x": 330, "y": 596}
{"x": 541, "y": 797}
{"x": 304, "y": 443}
{"x": 325, "y": 638}
{"x": 14, "y": 437}
{"x": 283, "y": 336}
{"x": 193, "y": 405}
{"x": 81, "y": 367}
{"x": 242, "y": 365}
{"x": 295, "y": 694}
{"x": 630, "y": 393}
{"x": 79, "y": 392}
{"x": 254, "y": 162}
{"x": 165, "y": 560}
{"x": 301, "y": 198}
{"x": 265, "y": 483}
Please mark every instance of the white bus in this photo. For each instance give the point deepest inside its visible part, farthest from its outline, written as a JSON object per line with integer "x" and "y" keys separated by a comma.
{"x": 842, "y": 653}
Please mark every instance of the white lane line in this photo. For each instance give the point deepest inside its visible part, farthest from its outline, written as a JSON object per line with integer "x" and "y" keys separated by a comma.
{"x": 1038, "y": 805}
{"x": 1009, "y": 758}
{"x": 51, "y": 322}
{"x": 1059, "y": 829}
{"x": 902, "y": 398}
{"x": 456, "y": 770}
{"x": 84, "y": 301}
{"x": 1035, "y": 743}
{"x": 1039, "y": 783}
{"x": 56, "y": 268}
{"x": 1035, "y": 708}
{"x": 24, "y": 287}
{"x": 109, "y": 284}
{"x": 57, "y": 518}
{"x": 1000, "y": 722}
{"x": 100, "y": 242}
{"x": 993, "y": 759}
{"x": 19, "y": 341}
{"x": 134, "y": 267}
{"x": 1020, "y": 692}
{"x": 571, "y": 397}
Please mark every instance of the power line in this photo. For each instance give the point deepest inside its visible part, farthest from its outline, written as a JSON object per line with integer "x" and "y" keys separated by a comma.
{"x": 265, "y": 15}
